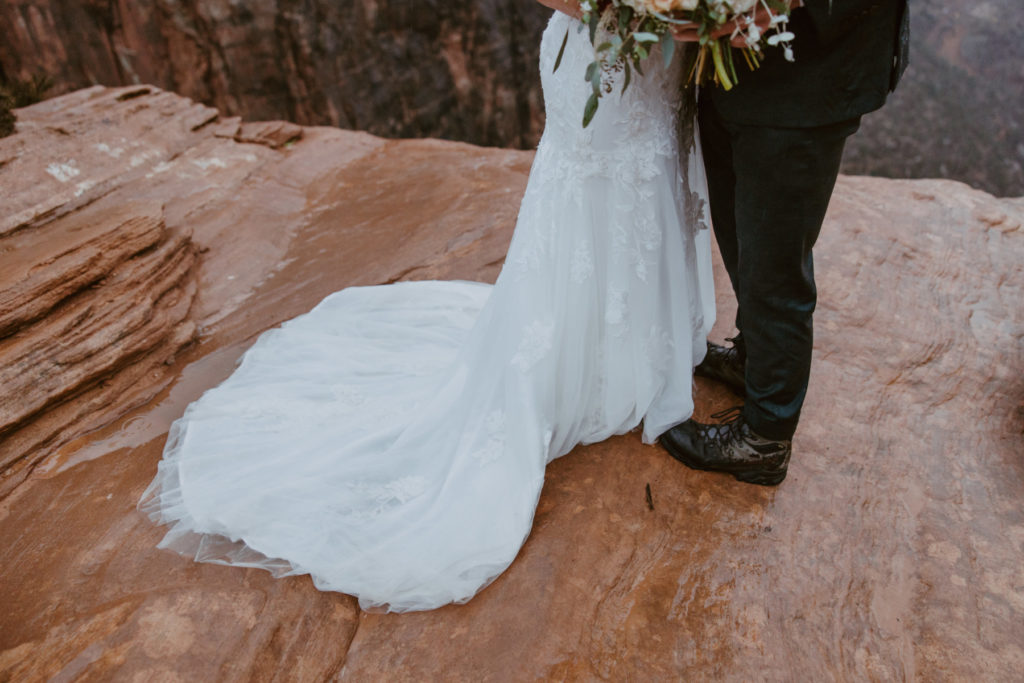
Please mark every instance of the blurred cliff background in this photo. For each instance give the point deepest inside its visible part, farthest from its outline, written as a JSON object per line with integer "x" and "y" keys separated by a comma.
{"x": 466, "y": 70}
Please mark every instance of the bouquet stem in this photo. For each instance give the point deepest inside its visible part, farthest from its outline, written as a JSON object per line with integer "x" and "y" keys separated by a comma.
{"x": 720, "y": 69}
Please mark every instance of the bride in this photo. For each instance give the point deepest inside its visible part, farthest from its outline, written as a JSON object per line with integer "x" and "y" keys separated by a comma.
{"x": 391, "y": 443}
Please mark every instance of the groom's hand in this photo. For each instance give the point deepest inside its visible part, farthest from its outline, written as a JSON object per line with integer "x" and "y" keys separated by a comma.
{"x": 571, "y": 8}
{"x": 763, "y": 19}
{"x": 685, "y": 33}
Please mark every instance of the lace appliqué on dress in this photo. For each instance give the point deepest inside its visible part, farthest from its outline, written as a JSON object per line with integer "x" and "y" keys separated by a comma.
{"x": 369, "y": 500}
{"x": 534, "y": 344}
{"x": 581, "y": 268}
{"x": 494, "y": 439}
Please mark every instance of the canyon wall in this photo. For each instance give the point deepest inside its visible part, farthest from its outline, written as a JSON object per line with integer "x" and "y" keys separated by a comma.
{"x": 458, "y": 69}
{"x": 466, "y": 70}
{"x": 957, "y": 111}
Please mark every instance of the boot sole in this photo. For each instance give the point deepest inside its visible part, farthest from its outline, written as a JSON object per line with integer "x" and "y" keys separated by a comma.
{"x": 759, "y": 478}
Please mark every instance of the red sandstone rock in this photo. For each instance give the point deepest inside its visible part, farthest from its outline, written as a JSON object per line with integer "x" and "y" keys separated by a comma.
{"x": 273, "y": 134}
{"x": 893, "y": 550}
{"x": 95, "y": 290}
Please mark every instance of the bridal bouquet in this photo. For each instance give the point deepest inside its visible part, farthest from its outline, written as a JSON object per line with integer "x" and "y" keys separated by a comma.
{"x": 624, "y": 32}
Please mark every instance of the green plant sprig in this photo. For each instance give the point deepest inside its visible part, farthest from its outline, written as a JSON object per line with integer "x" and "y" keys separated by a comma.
{"x": 633, "y": 36}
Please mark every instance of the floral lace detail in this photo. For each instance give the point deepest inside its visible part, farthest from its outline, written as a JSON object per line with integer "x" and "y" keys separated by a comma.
{"x": 346, "y": 398}
{"x": 318, "y": 409}
{"x": 532, "y": 249}
{"x": 494, "y": 439}
{"x": 615, "y": 311}
{"x": 369, "y": 500}
{"x": 534, "y": 344}
{"x": 593, "y": 418}
{"x": 581, "y": 268}
{"x": 658, "y": 349}
{"x": 419, "y": 369}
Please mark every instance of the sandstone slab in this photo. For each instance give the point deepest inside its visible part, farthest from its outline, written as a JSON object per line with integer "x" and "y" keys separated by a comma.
{"x": 893, "y": 551}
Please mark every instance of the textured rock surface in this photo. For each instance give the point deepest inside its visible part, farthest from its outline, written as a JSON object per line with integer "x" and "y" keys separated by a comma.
{"x": 893, "y": 551}
{"x": 93, "y": 308}
{"x": 95, "y": 287}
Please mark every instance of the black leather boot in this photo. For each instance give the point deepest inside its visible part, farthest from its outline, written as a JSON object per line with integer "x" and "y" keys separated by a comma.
{"x": 731, "y": 447}
{"x": 725, "y": 364}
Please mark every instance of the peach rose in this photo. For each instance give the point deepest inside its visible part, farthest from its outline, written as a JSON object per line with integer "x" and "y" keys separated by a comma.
{"x": 666, "y": 6}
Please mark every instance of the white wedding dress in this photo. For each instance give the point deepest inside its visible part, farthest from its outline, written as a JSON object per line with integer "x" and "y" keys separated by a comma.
{"x": 392, "y": 442}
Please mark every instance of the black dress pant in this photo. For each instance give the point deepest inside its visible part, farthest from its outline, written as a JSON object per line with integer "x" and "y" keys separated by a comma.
{"x": 769, "y": 188}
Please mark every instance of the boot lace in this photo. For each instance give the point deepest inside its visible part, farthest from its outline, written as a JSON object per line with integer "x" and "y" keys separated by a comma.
{"x": 726, "y": 430}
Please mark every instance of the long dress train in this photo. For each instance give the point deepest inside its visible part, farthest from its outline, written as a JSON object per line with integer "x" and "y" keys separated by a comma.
{"x": 392, "y": 442}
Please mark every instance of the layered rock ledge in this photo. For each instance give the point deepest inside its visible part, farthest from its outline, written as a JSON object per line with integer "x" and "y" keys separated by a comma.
{"x": 146, "y": 241}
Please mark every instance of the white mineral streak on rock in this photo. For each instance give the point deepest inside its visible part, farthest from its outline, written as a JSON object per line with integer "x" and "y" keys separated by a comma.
{"x": 143, "y": 157}
{"x": 162, "y": 167}
{"x": 114, "y": 153}
{"x": 63, "y": 171}
{"x": 210, "y": 162}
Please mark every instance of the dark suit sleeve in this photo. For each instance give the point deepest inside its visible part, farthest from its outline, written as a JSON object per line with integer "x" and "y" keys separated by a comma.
{"x": 833, "y": 18}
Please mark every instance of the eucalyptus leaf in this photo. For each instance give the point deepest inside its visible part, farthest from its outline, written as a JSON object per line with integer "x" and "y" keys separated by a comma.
{"x": 625, "y": 15}
{"x": 595, "y": 79}
{"x": 644, "y": 37}
{"x": 561, "y": 51}
{"x": 590, "y": 109}
{"x": 669, "y": 20}
{"x": 595, "y": 19}
{"x": 668, "y": 48}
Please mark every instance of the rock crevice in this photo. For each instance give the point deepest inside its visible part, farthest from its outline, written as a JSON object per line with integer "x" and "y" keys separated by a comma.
{"x": 81, "y": 299}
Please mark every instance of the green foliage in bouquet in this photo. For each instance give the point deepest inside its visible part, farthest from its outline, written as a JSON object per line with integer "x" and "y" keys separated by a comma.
{"x": 630, "y": 39}
{"x": 709, "y": 16}
{"x": 629, "y": 30}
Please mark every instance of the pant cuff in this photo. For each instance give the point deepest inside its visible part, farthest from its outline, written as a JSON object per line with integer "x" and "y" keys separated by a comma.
{"x": 776, "y": 430}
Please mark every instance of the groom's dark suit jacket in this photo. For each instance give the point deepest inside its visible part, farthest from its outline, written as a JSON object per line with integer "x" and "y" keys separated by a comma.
{"x": 849, "y": 55}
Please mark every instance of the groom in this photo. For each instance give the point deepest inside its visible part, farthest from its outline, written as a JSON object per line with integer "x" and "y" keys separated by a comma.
{"x": 772, "y": 147}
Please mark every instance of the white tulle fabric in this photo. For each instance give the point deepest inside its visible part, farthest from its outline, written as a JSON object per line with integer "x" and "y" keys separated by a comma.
{"x": 392, "y": 442}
